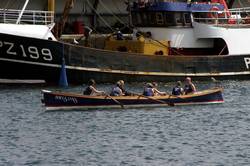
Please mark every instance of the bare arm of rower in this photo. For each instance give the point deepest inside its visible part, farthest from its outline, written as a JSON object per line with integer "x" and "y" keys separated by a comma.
{"x": 159, "y": 92}
{"x": 96, "y": 92}
{"x": 193, "y": 87}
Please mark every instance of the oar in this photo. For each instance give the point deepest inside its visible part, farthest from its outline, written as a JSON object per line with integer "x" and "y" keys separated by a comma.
{"x": 159, "y": 101}
{"x": 116, "y": 101}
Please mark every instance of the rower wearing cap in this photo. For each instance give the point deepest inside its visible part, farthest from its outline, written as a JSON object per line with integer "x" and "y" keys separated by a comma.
{"x": 148, "y": 90}
{"x": 151, "y": 90}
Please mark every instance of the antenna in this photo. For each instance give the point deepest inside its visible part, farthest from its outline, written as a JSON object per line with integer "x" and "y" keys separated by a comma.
{"x": 129, "y": 16}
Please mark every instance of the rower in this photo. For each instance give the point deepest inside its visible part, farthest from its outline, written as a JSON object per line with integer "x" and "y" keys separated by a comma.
{"x": 156, "y": 91}
{"x": 151, "y": 90}
{"x": 178, "y": 90}
{"x": 117, "y": 90}
{"x": 148, "y": 90}
{"x": 189, "y": 86}
{"x": 91, "y": 89}
{"x": 122, "y": 87}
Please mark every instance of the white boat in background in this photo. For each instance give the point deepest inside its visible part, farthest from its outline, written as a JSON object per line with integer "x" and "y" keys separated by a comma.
{"x": 174, "y": 40}
{"x": 27, "y": 23}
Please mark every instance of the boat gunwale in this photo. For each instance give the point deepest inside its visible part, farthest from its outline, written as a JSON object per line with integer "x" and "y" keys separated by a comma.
{"x": 137, "y": 97}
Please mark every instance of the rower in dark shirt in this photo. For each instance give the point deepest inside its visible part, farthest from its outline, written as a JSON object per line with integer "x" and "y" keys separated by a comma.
{"x": 151, "y": 90}
{"x": 91, "y": 90}
{"x": 189, "y": 86}
{"x": 178, "y": 90}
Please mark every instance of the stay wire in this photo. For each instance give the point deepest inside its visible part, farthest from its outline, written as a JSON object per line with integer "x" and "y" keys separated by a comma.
{"x": 103, "y": 20}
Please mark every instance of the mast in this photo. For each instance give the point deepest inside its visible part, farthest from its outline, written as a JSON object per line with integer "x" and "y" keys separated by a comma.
{"x": 94, "y": 19}
{"x": 51, "y": 5}
{"x": 51, "y": 9}
{"x": 21, "y": 14}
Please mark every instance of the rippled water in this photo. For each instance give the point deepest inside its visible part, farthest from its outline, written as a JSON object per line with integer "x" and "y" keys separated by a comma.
{"x": 186, "y": 135}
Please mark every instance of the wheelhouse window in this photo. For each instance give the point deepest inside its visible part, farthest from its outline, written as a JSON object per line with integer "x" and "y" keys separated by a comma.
{"x": 170, "y": 19}
{"x": 178, "y": 18}
{"x": 187, "y": 18}
{"x": 151, "y": 17}
{"x": 160, "y": 19}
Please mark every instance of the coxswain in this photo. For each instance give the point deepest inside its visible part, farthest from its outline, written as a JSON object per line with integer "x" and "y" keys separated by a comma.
{"x": 189, "y": 86}
{"x": 91, "y": 89}
{"x": 178, "y": 90}
{"x": 117, "y": 91}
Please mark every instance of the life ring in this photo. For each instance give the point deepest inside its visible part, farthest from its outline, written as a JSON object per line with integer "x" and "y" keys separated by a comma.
{"x": 213, "y": 12}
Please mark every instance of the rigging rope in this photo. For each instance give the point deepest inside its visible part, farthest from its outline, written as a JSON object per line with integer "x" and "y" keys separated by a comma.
{"x": 83, "y": 8}
{"x": 111, "y": 12}
{"x": 104, "y": 21}
{"x": 114, "y": 2}
{"x": 6, "y": 6}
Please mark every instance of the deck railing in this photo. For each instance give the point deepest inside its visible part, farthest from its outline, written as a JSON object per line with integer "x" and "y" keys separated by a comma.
{"x": 28, "y": 17}
{"x": 239, "y": 17}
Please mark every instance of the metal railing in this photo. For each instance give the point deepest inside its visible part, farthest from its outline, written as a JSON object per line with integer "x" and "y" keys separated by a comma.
{"x": 29, "y": 17}
{"x": 238, "y": 17}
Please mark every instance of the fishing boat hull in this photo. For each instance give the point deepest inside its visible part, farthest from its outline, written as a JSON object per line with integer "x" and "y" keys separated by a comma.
{"x": 30, "y": 58}
{"x": 62, "y": 101}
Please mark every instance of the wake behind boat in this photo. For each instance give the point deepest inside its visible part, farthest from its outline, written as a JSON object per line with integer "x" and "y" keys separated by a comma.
{"x": 69, "y": 101}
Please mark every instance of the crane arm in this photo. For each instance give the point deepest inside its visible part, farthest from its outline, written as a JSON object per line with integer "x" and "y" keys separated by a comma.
{"x": 68, "y": 6}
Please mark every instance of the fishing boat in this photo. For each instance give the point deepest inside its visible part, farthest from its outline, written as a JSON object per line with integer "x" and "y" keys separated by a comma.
{"x": 170, "y": 41}
{"x": 68, "y": 101}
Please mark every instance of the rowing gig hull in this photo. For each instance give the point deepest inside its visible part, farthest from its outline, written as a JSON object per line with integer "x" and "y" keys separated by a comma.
{"x": 66, "y": 101}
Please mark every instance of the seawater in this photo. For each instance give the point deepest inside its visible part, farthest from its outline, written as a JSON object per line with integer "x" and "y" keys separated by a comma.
{"x": 181, "y": 135}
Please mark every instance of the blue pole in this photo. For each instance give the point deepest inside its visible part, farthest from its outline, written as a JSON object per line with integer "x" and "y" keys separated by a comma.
{"x": 63, "y": 82}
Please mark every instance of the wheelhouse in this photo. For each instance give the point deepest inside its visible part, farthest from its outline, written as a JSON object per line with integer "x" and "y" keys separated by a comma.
{"x": 165, "y": 14}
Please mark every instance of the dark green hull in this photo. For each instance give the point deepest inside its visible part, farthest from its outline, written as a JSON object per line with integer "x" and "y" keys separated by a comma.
{"x": 29, "y": 58}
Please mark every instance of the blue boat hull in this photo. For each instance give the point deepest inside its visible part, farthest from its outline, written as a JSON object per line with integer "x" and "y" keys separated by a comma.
{"x": 58, "y": 100}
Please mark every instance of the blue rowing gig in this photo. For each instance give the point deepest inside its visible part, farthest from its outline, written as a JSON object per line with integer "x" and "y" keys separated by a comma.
{"x": 66, "y": 101}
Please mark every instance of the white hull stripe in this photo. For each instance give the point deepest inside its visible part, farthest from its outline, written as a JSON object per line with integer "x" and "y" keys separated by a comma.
{"x": 128, "y": 106}
{"x": 128, "y": 72}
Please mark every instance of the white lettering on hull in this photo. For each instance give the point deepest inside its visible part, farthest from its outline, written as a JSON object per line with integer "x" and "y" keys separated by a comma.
{"x": 10, "y": 49}
{"x": 31, "y": 52}
{"x": 66, "y": 99}
{"x": 247, "y": 62}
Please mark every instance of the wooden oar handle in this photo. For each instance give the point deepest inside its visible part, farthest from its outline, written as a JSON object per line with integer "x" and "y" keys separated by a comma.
{"x": 116, "y": 101}
{"x": 159, "y": 101}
